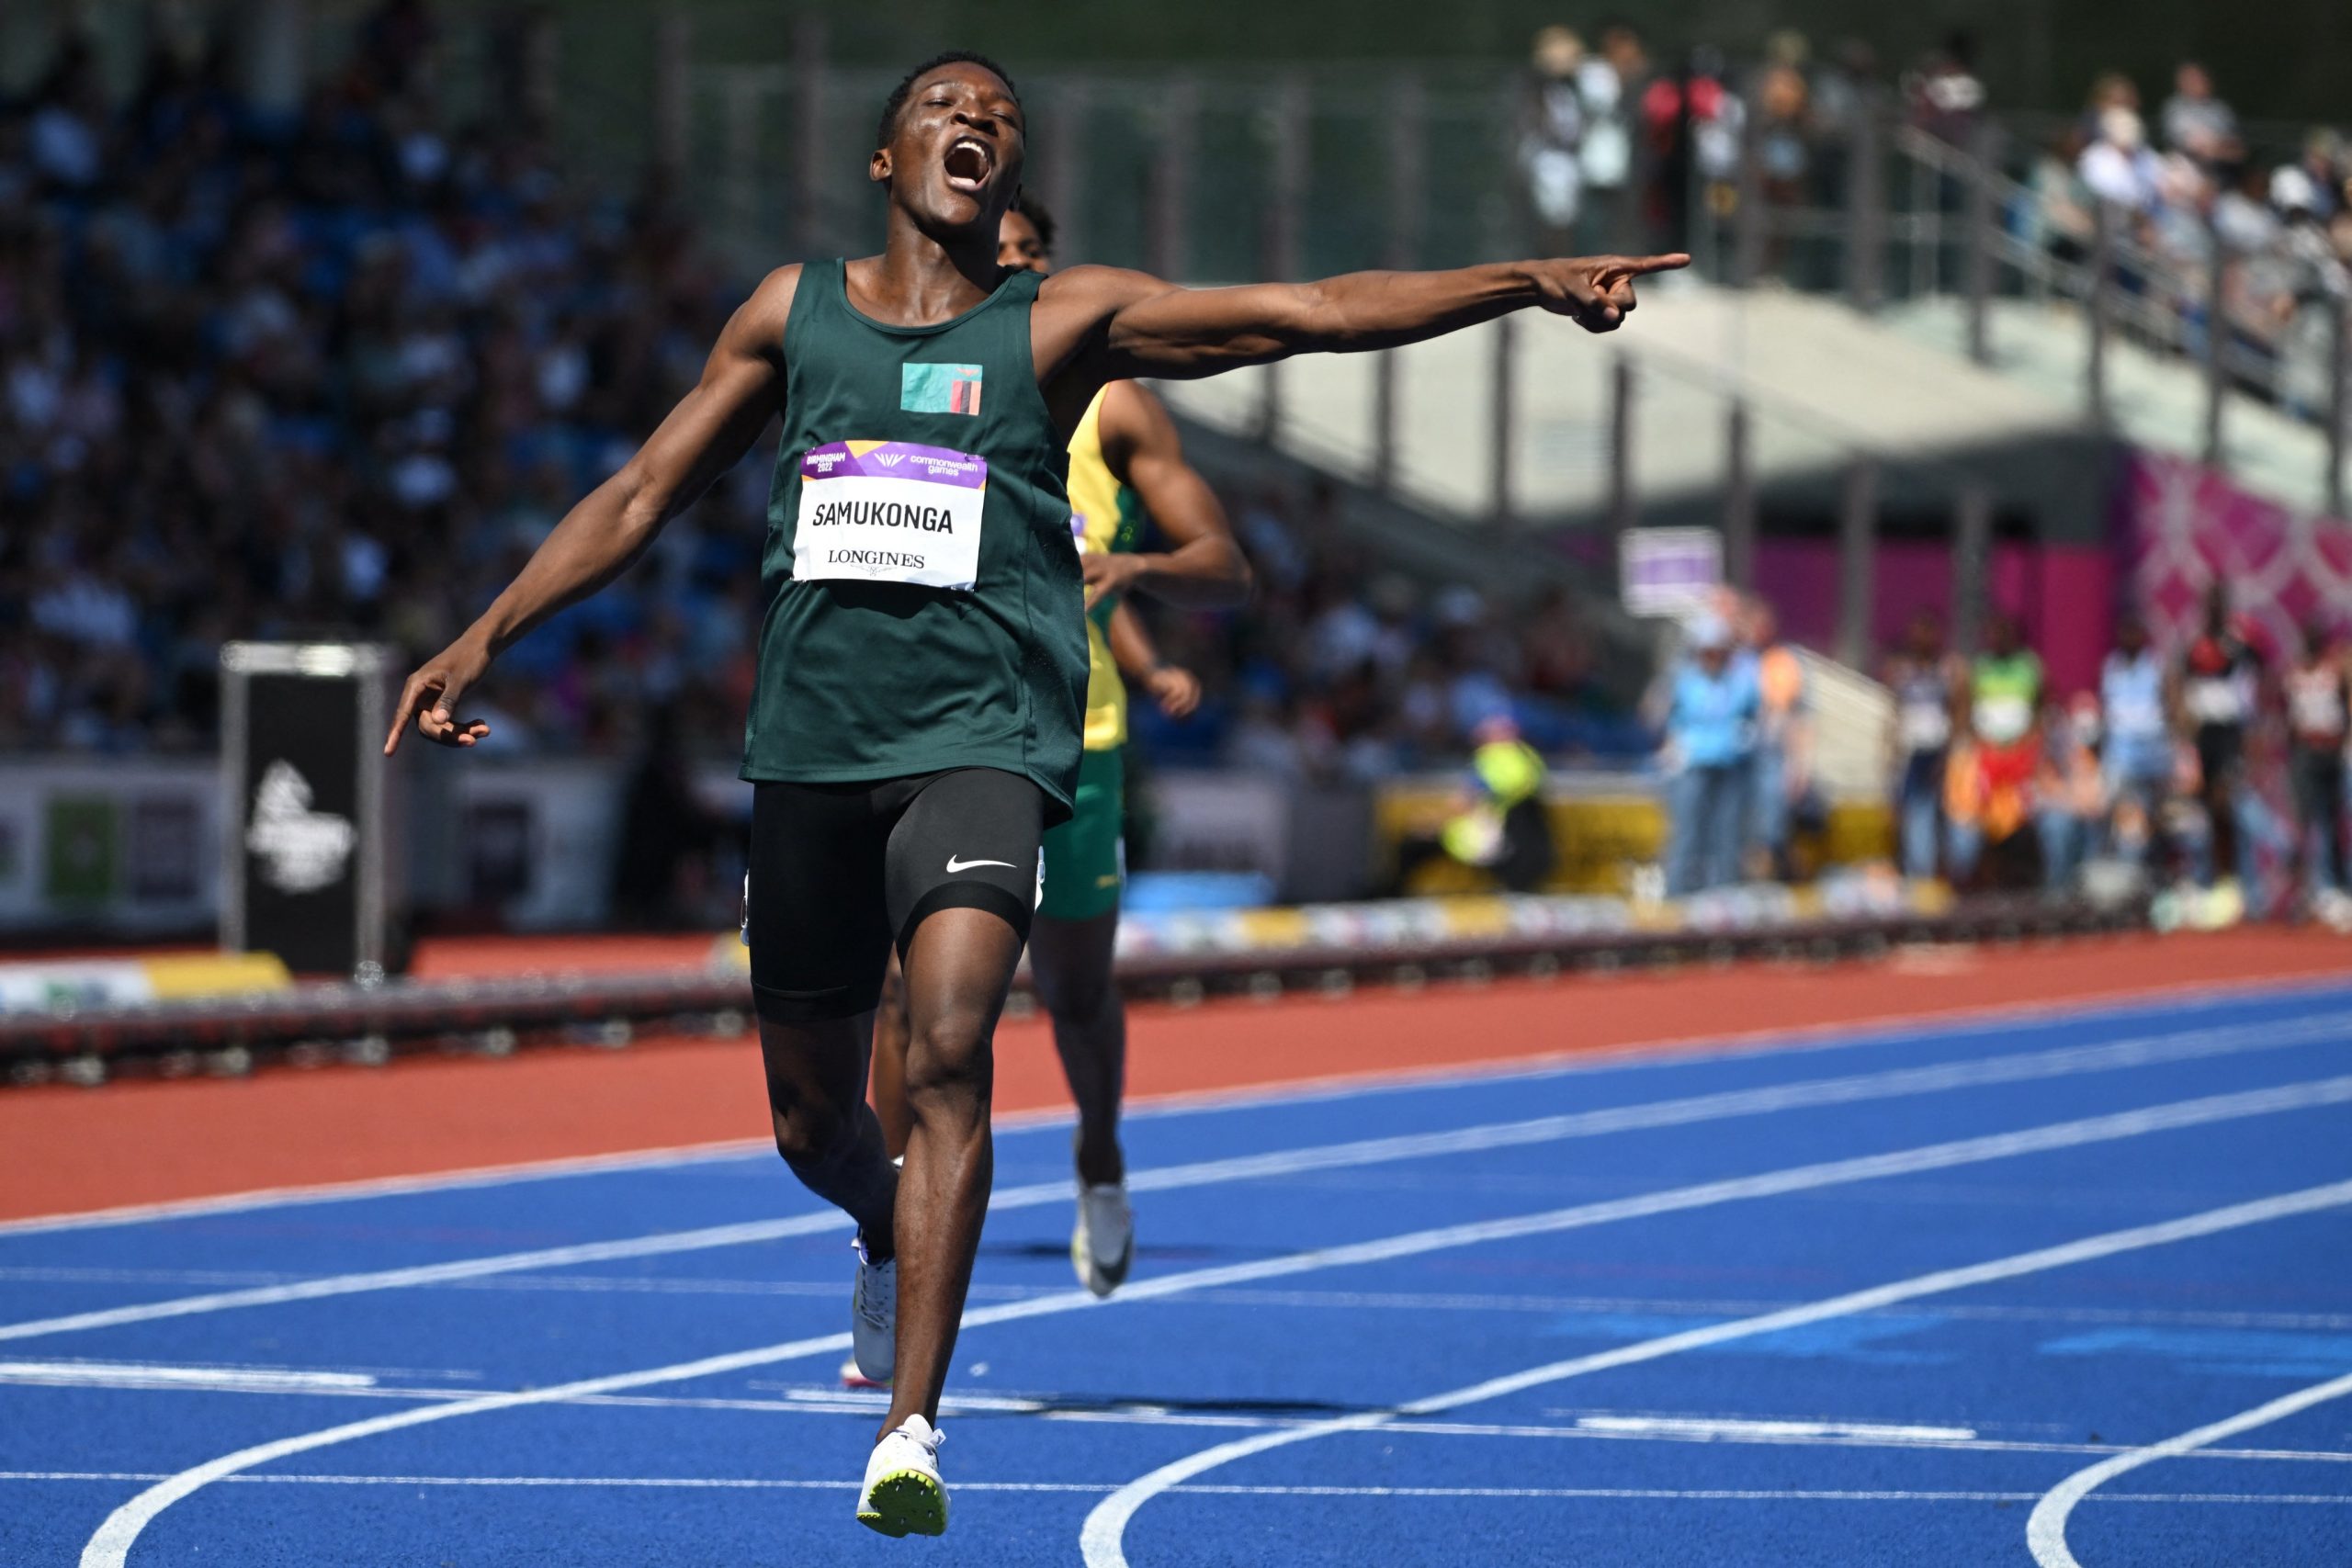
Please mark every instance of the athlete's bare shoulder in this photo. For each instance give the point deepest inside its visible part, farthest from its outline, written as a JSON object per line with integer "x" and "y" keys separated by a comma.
{"x": 757, "y": 326}
{"x": 1132, "y": 417}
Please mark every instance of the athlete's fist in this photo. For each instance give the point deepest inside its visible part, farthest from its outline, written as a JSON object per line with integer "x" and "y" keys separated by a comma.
{"x": 1178, "y": 692}
{"x": 431, "y": 697}
{"x": 1597, "y": 292}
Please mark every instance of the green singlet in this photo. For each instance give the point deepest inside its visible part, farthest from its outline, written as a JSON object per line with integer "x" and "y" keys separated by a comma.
{"x": 924, "y": 608}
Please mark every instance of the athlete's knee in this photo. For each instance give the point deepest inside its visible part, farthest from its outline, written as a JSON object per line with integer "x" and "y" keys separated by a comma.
{"x": 812, "y": 1133}
{"x": 1082, "y": 999}
{"x": 951, "y": 1063}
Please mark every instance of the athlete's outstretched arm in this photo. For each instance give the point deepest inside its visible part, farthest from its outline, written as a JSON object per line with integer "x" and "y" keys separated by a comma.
{"x": 1144, "y": 452}
{"x": 705, "y": 435}
{"x": 1134, "y": 324}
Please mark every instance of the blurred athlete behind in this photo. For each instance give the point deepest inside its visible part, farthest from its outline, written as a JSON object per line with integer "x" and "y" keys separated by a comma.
{"x": 1127, "y": 466}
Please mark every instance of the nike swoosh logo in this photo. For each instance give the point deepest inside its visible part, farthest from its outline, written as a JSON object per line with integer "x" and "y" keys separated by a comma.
{"x": 955, "y": 865}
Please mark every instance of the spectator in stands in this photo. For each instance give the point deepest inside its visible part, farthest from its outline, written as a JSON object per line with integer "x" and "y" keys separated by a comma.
{"x": 1947, "y": 96}
{"x": 2069, "y": 796}
{"x": 1988, "y": 794}
{"x": 1782, "y": 779}
{"x": 1926, "y": 680}
{"x": 1691, "y": 128}
{"x": 2116, "y": 166}
{"x": 1609, "y": 84}
{"x": 2219, "y": 686}
{"x": 1784, "y": 127}
{"x": 2141, "y": 768}
{"x": 2198, "y": 124}
{"x": 2317, "y": 724}
{"x": 1552, "y": 123}
{"x": 1709, "y": 708}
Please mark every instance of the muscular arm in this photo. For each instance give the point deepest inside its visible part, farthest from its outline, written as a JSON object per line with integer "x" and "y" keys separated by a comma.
{"x": 1140, "y": 446}
{"x": 1113, "y": 324}
{"x": 705, "y": 435}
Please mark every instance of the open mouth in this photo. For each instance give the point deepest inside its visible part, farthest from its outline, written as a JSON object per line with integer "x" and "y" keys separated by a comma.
{"x": 969, "y": 159}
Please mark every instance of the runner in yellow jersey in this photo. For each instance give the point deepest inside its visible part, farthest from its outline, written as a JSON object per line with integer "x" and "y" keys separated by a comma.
{"x": 1126, "y": 464}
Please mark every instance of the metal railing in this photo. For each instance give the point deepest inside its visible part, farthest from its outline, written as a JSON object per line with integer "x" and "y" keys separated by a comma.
{"x": 1956, "y": 225}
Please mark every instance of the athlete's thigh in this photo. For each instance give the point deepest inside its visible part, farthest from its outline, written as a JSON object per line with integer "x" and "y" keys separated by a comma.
{"x": 963, "y": 885}
{"x": 968, "y": 840}
{"x": 816, "y": 908}
{"x": 1085, "y": 857}
{"x": 1072, "y": 959}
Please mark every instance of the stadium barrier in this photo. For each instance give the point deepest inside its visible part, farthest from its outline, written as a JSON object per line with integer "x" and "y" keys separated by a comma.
{"x": 61, "y": 1026}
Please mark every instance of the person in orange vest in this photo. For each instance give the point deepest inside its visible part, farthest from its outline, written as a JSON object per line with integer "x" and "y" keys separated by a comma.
{"x": 1783, "y": 743}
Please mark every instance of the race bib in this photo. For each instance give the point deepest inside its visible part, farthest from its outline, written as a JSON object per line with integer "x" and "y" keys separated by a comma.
{"x": 889, "y": 511}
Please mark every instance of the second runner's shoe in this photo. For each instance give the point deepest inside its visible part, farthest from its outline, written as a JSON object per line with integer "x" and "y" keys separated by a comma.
{"x": 1104, "y": 1244}
{"x": 874, "y": 1319}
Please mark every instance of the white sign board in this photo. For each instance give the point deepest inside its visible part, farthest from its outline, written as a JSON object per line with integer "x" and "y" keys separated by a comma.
{"x": 1669, "y": 571}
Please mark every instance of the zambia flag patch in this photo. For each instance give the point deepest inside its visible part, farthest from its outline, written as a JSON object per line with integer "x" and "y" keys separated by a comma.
{"x": 939, "y": 388}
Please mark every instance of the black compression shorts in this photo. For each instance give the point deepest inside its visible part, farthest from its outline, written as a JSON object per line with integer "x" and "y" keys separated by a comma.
{"x": 839, "y": 872}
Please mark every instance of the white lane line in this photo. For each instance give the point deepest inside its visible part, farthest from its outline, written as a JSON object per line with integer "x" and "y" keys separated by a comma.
{"x": 1712, "y": 1429}
{"x": 1957, "y": 1024}
{"x": 1309, "y": 1300}
{"x": 2045, "y": 1529}
{"x": 107, "y": 1548}
{"x": 144, "y": 1374}
{"x": 382, "y": 1187}
{"x": 834, "y": 1400}
{"x": 1846, "y": 1090}
{"x": 787, "y": 1484}
{"x": 1101, "y": 1539}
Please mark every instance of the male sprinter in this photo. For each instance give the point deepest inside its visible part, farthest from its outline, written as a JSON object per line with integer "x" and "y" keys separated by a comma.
{"x": 1125, "y": 461}
{"x": 914, "y": 727}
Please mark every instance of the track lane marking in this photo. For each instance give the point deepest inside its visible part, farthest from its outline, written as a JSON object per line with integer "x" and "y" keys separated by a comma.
{"x": 1101, "y": 1539}
{"x": 2045, "y": 1529}
{"x": 112, "y": 1542}
{"x": 832, "y": 1399}
{"x": 1890, "y": 1083}
{"x": 787, "y": 1484}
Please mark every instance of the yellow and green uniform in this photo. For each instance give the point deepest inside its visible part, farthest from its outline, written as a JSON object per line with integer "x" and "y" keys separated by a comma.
{"x": 1085, "y": 861}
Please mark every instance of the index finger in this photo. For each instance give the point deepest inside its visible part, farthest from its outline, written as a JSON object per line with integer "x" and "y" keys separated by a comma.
{"x": 403, "y": 712}
{"x": 1639, "y": 267}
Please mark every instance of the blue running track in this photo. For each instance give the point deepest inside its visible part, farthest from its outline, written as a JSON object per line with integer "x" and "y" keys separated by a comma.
{"x": 1927, "y": 1297}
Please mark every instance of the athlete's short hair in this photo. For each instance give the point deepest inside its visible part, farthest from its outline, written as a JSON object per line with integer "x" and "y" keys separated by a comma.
{"x": 1029, "y": 207}
{"x": 888, "y": 126}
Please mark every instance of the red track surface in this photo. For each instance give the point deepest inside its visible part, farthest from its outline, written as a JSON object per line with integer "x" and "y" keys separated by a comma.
{"x": 71, "y": 1149}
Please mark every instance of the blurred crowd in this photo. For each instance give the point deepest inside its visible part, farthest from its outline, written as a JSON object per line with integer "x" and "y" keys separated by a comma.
{"x": 1618, "y": 147}
{"x": 1343, "y": 668}
{"x": 2216, "y": 768}
{"x": 2195, "y": 186}
{"x": 333, "y": 372}
{"x": 1619, "y": 150}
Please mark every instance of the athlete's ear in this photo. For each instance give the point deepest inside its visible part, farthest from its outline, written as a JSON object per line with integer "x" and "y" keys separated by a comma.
{"x": 877, "y": 168}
